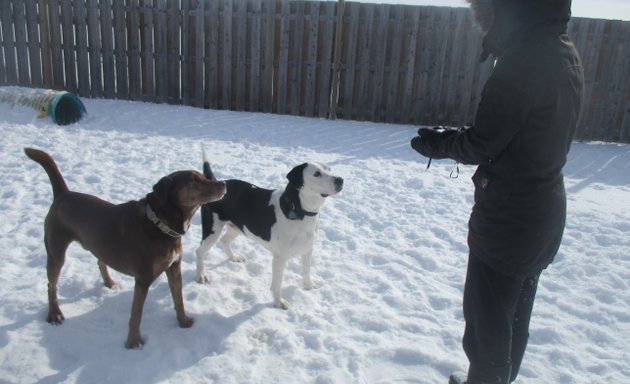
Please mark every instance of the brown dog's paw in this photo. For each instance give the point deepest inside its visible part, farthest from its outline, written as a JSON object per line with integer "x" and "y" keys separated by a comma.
{"x": 55, "y": 317}
{"x": 134, "y": 343}
{"x": 186, "y": 322}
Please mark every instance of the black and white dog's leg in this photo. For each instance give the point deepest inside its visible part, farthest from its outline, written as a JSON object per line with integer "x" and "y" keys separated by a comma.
{"x": 306, "y": 271}
{"x": 231, "y": 233}
{"x": 277, "y": 271}
{"x": 207, "y": 243}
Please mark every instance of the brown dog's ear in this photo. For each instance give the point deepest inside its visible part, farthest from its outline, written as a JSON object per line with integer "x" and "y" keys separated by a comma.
{"x": 296, "y": 176}
{"x": 161, "y": 189}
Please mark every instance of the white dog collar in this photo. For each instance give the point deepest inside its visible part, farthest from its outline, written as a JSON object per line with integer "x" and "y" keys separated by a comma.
{"x": 161, "y": 225}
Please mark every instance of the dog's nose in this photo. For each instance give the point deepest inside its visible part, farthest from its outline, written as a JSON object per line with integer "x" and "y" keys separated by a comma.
{"x": 338, "y": 183}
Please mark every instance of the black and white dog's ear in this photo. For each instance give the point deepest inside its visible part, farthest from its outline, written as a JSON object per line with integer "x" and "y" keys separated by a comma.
{"x": 296, "y": 176}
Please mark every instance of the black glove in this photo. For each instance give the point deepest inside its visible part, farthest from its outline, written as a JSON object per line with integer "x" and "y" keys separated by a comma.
{"x": 430, "y": 142}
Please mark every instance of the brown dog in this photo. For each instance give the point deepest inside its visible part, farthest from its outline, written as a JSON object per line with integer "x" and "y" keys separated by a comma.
{"x": 138, "y": 238}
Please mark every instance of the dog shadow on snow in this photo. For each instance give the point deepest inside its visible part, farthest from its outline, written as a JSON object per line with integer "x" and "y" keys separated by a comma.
{"x": 90, "y": 346}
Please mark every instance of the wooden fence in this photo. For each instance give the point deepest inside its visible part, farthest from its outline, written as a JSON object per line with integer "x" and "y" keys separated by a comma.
{"x": 394, "y": 63}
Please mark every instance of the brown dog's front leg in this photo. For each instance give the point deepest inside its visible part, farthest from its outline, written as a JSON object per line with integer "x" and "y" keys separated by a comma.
{"x": 134, "y": 340}
{"x": 54, "y": 313}
{"x": 174, "y": 275}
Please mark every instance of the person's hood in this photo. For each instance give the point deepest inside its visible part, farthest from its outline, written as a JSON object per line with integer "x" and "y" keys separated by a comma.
{"x": 503, "y": 20}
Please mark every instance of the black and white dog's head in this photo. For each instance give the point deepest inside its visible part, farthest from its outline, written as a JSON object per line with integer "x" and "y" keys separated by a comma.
{"x": 315, "y": 179}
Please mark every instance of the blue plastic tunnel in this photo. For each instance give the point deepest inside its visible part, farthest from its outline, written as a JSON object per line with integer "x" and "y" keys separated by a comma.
{"x": 66, "y": 109}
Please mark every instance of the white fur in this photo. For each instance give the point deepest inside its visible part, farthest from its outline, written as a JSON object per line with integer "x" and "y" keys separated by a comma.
{"x": 289, "y": 238}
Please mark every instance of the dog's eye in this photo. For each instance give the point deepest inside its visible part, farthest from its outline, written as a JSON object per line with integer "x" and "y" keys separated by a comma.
{"x": 317, "y": 174}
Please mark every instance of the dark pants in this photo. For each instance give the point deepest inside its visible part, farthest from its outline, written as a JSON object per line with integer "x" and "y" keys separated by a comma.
{"x": 497, "y": 310}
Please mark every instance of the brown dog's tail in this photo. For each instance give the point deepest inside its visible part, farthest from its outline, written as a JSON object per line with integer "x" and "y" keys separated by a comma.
{"x": 56, "y": 180}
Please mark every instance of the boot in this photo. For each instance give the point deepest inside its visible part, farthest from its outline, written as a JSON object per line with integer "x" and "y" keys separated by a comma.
{"x": 480, "y": 374}
{"x": 457, "y": 378}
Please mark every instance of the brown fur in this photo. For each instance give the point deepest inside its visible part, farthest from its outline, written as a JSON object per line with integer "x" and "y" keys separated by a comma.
{"x": 122, "y": 237}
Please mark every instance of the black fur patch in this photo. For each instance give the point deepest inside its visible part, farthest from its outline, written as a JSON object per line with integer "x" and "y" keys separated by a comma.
{"x": 245, "y": 205}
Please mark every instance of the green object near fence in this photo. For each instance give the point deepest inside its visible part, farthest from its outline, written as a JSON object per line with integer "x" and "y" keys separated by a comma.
{"x": 63, "y": 107}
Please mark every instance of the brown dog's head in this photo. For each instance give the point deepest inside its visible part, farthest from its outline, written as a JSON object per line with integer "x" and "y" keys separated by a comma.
{"x": 187, "y": 189}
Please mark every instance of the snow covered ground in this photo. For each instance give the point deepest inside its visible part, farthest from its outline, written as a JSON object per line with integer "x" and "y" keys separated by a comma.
{"x": 391, "y": 259}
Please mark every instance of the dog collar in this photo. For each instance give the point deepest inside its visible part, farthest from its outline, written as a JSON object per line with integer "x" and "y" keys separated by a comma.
{"x": 291, "y": 207}
{"x": 161, "y": 226}
{"x": 295, "y": 214}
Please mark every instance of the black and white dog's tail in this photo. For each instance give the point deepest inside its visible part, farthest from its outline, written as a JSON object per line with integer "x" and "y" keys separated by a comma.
{"x": 207, "y": 171}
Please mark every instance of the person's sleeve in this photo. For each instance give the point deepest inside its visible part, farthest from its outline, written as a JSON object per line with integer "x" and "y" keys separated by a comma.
{"x": 500, "y": 116}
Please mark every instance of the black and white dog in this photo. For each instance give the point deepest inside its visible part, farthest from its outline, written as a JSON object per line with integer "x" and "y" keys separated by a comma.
{"x": 284, "y": 221}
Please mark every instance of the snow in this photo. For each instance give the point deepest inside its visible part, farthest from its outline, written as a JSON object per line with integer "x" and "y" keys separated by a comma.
{"x": 391, "y": 258}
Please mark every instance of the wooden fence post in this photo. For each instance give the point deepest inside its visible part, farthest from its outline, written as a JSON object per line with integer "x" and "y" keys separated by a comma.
{"x": 334, "y": 93}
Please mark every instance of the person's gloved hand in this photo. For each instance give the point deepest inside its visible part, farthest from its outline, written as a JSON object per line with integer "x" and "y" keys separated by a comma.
{"x": 429, "y": 142}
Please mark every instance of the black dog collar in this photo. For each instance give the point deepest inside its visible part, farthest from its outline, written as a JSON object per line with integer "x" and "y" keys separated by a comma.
{"x": 290, "y": 204}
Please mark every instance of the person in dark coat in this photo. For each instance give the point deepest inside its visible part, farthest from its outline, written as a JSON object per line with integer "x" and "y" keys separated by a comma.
{"x": 523, "y": 129}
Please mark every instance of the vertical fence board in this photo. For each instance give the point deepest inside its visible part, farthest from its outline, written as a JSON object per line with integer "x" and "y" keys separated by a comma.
{"x": 101, "y": 48}
{"x": 83, "y": 60}
{"x": 94, "y": 48}
{"x": 187, "y": 41}
{"x": 133, "y": 49}
{"x": 605, "y": 111}
{"x": 379, "y": 50}
{"x": 212, "y": 56}
{"x": 44, "y": 31}
{"x": 173, "y": 48}
{"x": 25, "y": 15}
{"x": 67, "y": 34}
{"x": 349, "y": 49}
{"x": 19, "y": 29}
{"x": 160, "y": 54}
{"x": 452, "y": 91}
{"x": 8, "y": 42}
{"x": 34, "y": 50}
{"x": 590, "y": 68}
{"x": 267, "y": 71}
{"x": 623, "y": 118}
{"x": 311, "y": 60}
{"x": 6, "y": 23}
{"x": 283, "y": 65}
{"x": 147, "y": 48}
{"x": 363, "y": 75}
{"x": 240, "y": 55}
{"x": 21, "y": 46}
{"x": 226, "y": 91}
{"x": 296, "y": 63}
{"x": 55, "y": 45}
{"x": 200, "y": 42}
{"x": 327, "y": 46}
{"x": 256, "y": 35}
{"x": 392, "y": 110}
{"x": 410, "y": 65}
{"x": 419, "y": 103}
{"x": 186, "y": 37}
{"x": 442, "y": 40}
{"x": 120, "y": 48}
